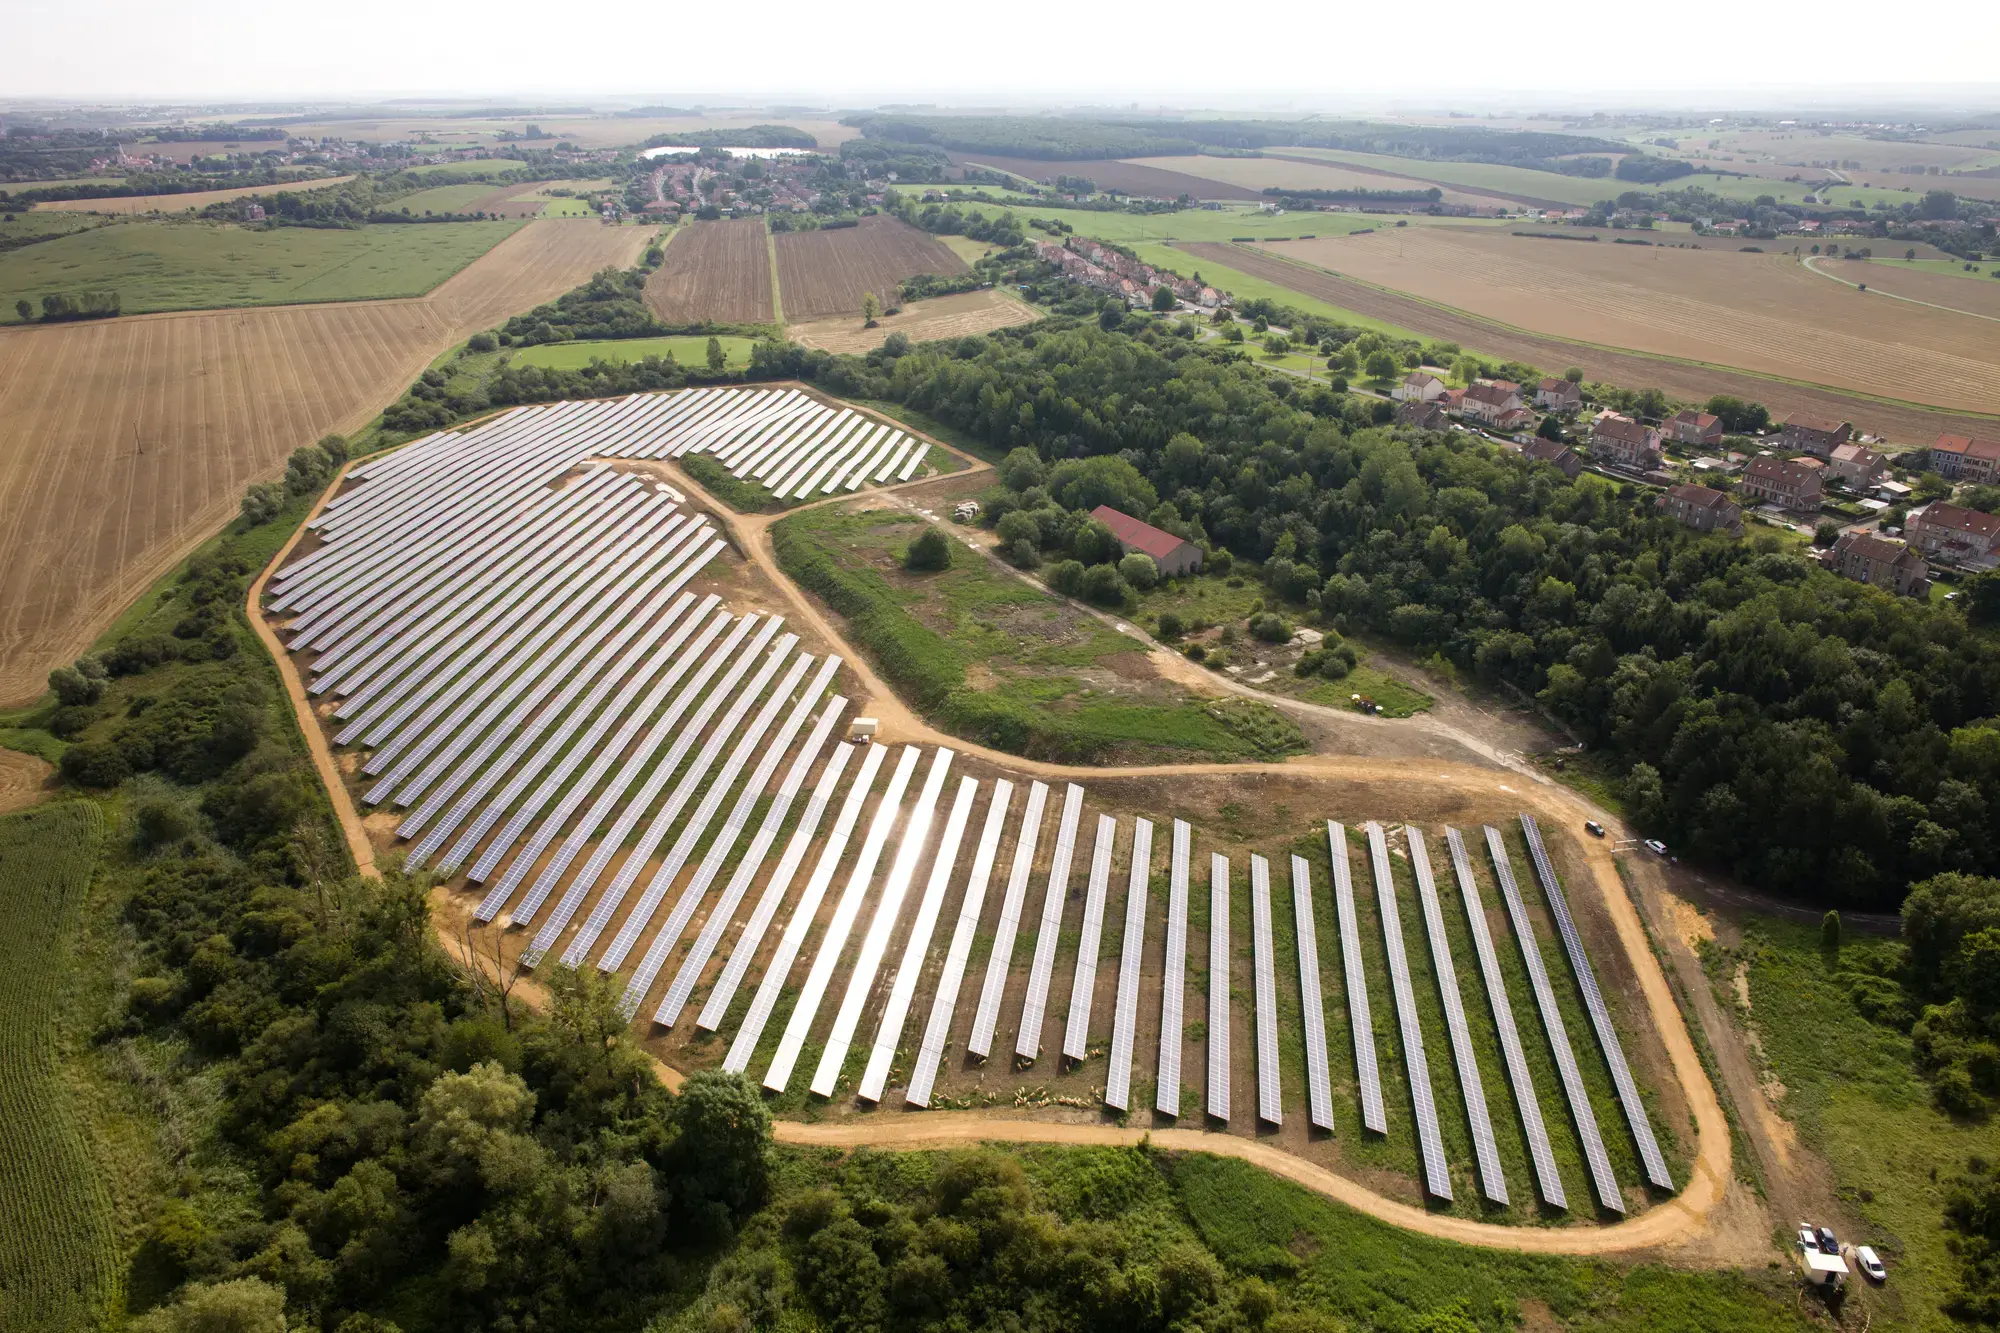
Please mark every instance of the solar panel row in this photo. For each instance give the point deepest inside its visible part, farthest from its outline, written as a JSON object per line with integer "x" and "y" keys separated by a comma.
{"x": 1173, "y": 980}
{"x": 1319, "y": 1083}
{"x": 1218, "y": 986}
{"x": 1125, "y": 1019}
{"x": 1001, "y": 959}
{"x": 1270, "y": 1100}
{"x": 1035, "y": 1004}
{"x": 944, "y": 1004}
{"x": 1083, "y": 986}
{"x": 1430, "y": 1141}
{"x": 1367, "y": 1073}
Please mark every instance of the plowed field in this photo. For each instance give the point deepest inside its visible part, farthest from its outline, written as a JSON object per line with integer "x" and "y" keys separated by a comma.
{"x": 180, "y": 203}
{"x": 1136, "y": 176}
{"x": 125, "y": 442}
{"x": 1257, "y": 174}
{"x": 1761, "y": 312}
{"x": 920, "y": 321}
{"x": 826, "y": 272}
{"x": 1900, "y": 423}
{"x": 715, "y": 270}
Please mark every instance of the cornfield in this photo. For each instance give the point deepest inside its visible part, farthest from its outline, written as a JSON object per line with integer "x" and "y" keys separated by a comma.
{"x": 58, "y": 1254}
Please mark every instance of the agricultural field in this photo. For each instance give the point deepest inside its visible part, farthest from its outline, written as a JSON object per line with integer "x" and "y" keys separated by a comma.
{"x": 1256, "y": 174}
{"x": 124, "y": 442}
{"x": 1944, "y": 285}
{"x": 585, "y": 131}
{"x": 465, "y": 198}
{"x": 718, "y": 271}
{"x": 1212, "y": 267}
{"x": 59, "y": 1263}
{"x": 1900, "y": 423}
{"x": 1516, "y": 183}
{"x": 470, "y": 166}
{"x": 953, "y": 316}
{"x": 826, "y": 272}
{"x": 205, "y": 265}
{"x": 1760, "y": 312}
{"x": 1143, "y": 176}
{"x": 1876, "y": 156}
{"x": 691, "y": 350}
{"x": 182, "y": 203}
{"x": 24, "y": 227}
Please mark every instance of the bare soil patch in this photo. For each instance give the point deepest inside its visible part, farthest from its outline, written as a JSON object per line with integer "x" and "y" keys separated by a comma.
{"x": 1145, "y": 176}
{"x": 715, "y": 270}
{"x": 1979, "y": 295}
{"x": 24, "y": 780}
{"x": 956, "y": 316}
{"x": 826, "y": 272}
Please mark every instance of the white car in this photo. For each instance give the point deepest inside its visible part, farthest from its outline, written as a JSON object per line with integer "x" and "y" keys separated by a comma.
{"x": 1871, "y": 1264}
{"x": 1656, "y": 847}
{"x": 1807, "y": 1241}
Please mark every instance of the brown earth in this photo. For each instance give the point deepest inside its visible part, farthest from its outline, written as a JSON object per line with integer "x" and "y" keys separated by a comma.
{"x": 1764, "y": 313}
{"x": 1256, "y": 174}
{"x": 126, "y": 442}
{"x": 717, "y": 271}
{"x": 24, "y": 780}
{"x": 1978, "y": 295}
{"x": 1901, "y": 423}
{"x": 180, "y": 203}
{"x": 1134, "y": 176}
{"x": 953, "y": 316}
{"x": 826, "y": 272}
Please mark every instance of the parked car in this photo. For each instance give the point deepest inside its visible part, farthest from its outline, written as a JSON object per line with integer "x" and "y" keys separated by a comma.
{"x": 1870, "y": 1264}
{"x": 1808, "y": 1241}
{"x": 1595, "y": 829}
{"x": 1827, "y": 1241}
{"x": 1656, "y": 847}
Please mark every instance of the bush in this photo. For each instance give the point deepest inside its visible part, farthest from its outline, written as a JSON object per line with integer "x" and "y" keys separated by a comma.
{"x": 1331, "y": 661}
{"x": 1018, "y": 526}
{"x": 262, "y": 502}
{"x": 1271, "y": 627}
{"x": 1195, "y": 652}
{"x": 1139, "y": 570}
{"x": 929, "y": 551}
{"x": 72, "y": 687}
{"x": 95, "y": 764}
{"x": 1170, "y": 625}
{"x": 1219, "y": 562}
{"x": 1102, "y": 585}
{"x": 1024, "y": 554}
{"x": 482, "y": 342}
{"x": 1067, "y": 578}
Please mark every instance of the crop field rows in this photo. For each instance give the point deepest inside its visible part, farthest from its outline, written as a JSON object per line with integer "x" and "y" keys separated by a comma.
{"x": 124, "y": 442}
{"x": 718, "y": 271}
{"x": 827, "y": 271}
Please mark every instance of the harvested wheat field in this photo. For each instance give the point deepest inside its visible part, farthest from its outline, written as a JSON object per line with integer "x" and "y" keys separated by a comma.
{"x": 1762, "y": 312}
{"x": 920, "y": 321}
{"x": 1900, "y": 423}
{"x": 123, "y": 443}
{"x": 1973, "y": 294}
{"x": 1261, "y": 173}
{"x": 715, "y": 270}
{"x": 1134, "y": 176}
{"x": 826, "y": 272}
{"x": 180, "y": 203}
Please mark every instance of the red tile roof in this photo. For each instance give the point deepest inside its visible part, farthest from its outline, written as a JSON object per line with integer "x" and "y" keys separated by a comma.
{"x": 1820, "y": 424}
{"x": 1706, "y": 497}
{"x": 1134, "y": 535}
{"x": 1958, "y": 517}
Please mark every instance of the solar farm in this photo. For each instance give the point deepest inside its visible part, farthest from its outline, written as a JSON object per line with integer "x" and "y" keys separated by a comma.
{"x": 563, "y": 691}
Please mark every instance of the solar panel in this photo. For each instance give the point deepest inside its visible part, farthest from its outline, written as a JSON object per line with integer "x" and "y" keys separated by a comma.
{"x": 1492, "y": 1180}
{"x": 1083, "y": 986}
{"x": 834, "y": 942}
{"x": 1319, "y": 1084}
{"x": 903, "y": 987}
{"x": 1001, "y": 960}
{"x": 1173, "y": 978}
{"x": 1430, "y": 1142}
{"x": 1270, "y": 1098}
{"x": 1029, "y": 1044}
{"x": 945, "y": 1003}
{"x": 875, "y": 943}
{"x": 1218, "y": 986}
{"x": 1600, "y": 1014}
{"x": 1580, "y": 1110}
{"x": 1125, "y": 1019}
{"x": 1547, "y": 1179}
{"x": 1367, "y": 1073}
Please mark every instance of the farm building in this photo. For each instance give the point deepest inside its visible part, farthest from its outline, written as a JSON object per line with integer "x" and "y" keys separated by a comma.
{"x": 1856, "y": 465}
{"x": 1173, "y": 555}
{"x": 1785, "y": 482}
{"x": 1813, "y": 435}
{"x": 1556, "y": 395}
{"x": 1549, "y": 451}
{"x": 1421, "y": 415}
{"x": 1688, "y": 426}
{"x": 1619, "y": 439}
{"x": 1955, "y": 533}
{"x": 1702, "y": 508}
{"x": 1965, "y": 458}
{"x": 1882, "y": 561}
{"x": 1419, "y": 386}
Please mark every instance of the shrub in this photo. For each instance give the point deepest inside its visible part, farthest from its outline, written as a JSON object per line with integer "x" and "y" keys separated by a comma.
{"x": 1139, "y": 570}
{"x": 73, "y": 688}
{"x": 482, "y": 342}
{"x": 95, "y": 764}
{"x": 1025, "y": 554}
{"x": 1170, "y": 625}
{"x": 1331, "y": 661}
{"x": 929, "y": 551}
{"x": 262, "y": 502}
{"x": 1018, "y": 526}
{"x": 1271, "y": 627}
{"x": 1067, "y": 578}
{"x": 1195, "y": 652}
{"x": 1102, "y": 585}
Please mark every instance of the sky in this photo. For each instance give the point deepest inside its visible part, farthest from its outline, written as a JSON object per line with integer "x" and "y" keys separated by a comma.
{"x": 1278, "y": 53}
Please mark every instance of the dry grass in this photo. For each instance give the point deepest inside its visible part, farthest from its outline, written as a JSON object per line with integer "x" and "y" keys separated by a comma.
{"x": 1762, "y": 312}
{"x": 1261, "y": 173}
{"x": 920, "y": 321}
{"x": 125, "y": 442}
{"x": 717, "y": 271}
{"x": 1961, "y": 291}
{"x": 827, "y": 272}
{"x": 179, "y": 203}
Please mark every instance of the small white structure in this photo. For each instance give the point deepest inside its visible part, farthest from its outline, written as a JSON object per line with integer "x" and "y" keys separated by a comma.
{"x": 1823, "y": 1269}
{"x": 966, "y": 511}
{"x": 863, "y": 729}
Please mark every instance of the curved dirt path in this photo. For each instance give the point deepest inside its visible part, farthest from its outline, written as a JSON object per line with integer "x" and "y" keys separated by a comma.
{"x": 1678, "y": 1221}
{"x": 1812, "y": 262}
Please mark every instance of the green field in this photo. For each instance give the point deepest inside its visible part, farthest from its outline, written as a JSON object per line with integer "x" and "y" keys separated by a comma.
{"x": 197, "y": 266}
{"x": 1209, "y": 224}
{"x": 566, "y": 208}
{"x": 1955, "y": 267}
{"x": 471, "y": 166}
{"x": 58, "y": 1248}
{"x": 16, "y": 227}
{"x": 1244, "y": 287}
{"x": 443, "y": 198}
{"x": 688, "y": 351}
{"x": 1576, "y": 190}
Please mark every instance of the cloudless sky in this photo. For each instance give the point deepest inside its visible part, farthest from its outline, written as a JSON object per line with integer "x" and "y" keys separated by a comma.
{"x": 1732, "y": 53}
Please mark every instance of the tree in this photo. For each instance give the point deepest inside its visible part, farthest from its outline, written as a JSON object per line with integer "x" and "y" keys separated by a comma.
{"x": 1829, "y": 931}
{"x": 1982, "y": 606}
{"x": 262, "y": 502}
{"x": 25, "y": 309}
{"x": 1574, "y": 374}
{"x": 1826, "y": 534}
{"x": 1910, "y": 253}
{"x": 95, "y": 764}
{"x": 721, "y": 1154}
{"x": 1139, "y": 570}
{"x": 1066, "y": 577}
{"x": 1163, "y": 298}
{"x": 1381, "y": 366}
{"x": 245, "y": 1305}
{"x": 1938, "y": 205}
{"x": 871, "y": 309}
{"x": 73, "y": 688}
{"x": 716, "y": 359}
{"x": 1550, "y": 428}
{"x": 929, "y": 551}
{"x": 1170, "y": 626}
{"x": 1102, "y": 585}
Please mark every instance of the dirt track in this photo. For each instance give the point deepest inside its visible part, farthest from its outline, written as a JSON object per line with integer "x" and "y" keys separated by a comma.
{"x": 1694, "y": 1224}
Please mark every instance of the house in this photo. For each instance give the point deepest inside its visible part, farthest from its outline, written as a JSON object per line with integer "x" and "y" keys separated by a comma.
{"x": 1548, "y": 451}
{"x": 1965, "y": 458}
{"x": 1172, "y": 554}
{"x": 1856, "y": 466}
{"x": 1559, "y": 396}
{"x": 1882, "y": 561}
{"x": 1784, "y": 482}
{"x": 1702, "y": 508}
{"x": 1421, "y": 415}
{"x": 1813, "y": 435}
{"x": 1619, "y": 439}
{"x": 1953, "y": 532}
{"x": 1453, "y": 402}
{"x": 1516, "y": 419}
{"x": 1419, "y": 386}
{"x": 1688, "y": 426}
{"x": 1486, "y": 400}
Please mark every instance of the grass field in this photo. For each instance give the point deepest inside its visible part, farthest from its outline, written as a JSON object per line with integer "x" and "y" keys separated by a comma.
{"x": 1215, "y": 224}
{"x": 58, "y": 1251}
{"x": 183, "y": 203}
{"x": 198, "y": 266}
{"x": 1258, "y": 174}
{"x": 444, "y": 198}
{"x": 994, "y": 658}
{"x": 689, "y": 351}
{"x": 471, "y": 166}
{"x": 566, "y": 208}
{"x": 1525, "y": 182}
